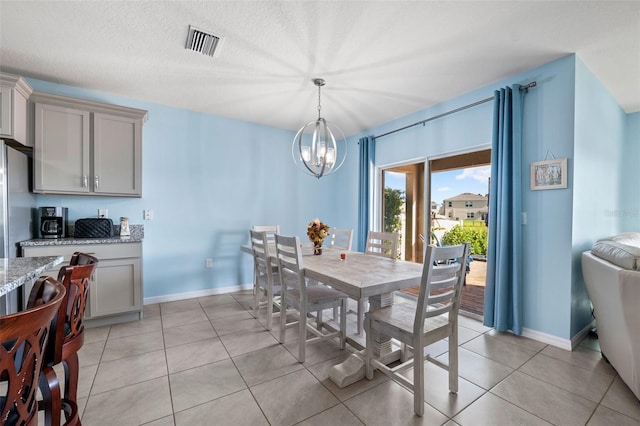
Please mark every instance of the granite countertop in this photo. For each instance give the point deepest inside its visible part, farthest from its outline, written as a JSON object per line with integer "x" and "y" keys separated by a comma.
{"x": 42, "y": 242}
{"x": 137, "y": 234}
{"x": 15, "y": 272}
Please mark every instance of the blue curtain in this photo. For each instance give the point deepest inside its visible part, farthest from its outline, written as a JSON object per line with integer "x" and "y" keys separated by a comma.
{"x": 503, "y": 292}
{"x": 367, "y": 161}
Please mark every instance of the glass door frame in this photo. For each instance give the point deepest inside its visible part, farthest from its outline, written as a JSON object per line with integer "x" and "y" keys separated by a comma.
{"x": 378, "y": 197}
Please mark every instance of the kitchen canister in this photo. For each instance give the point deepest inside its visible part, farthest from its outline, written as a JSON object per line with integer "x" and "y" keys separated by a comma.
{"x": 124, "y": 227}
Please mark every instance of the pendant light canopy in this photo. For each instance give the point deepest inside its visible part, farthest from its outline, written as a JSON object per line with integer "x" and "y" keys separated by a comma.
{"x": 319, "y": 147}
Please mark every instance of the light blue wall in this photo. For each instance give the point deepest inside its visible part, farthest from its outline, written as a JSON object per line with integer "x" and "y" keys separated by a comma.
{"x": 599, "y": 151}
{"x": 548, "y": 130}
{"x": 630, "y": 177}
{"x": 208, "y": 179}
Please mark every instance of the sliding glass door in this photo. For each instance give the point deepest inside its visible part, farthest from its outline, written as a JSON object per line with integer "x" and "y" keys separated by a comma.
{"x": 402, "y": 208}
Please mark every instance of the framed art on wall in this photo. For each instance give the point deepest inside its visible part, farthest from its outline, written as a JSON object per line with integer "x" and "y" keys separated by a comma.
{"x": 549, "y": 174}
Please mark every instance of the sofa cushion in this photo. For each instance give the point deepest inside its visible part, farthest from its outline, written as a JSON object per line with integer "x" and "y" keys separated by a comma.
{"x": 622, "y": 250}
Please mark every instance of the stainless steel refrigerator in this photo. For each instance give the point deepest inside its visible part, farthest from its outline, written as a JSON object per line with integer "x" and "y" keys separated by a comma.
{"x": 16, "y": 206}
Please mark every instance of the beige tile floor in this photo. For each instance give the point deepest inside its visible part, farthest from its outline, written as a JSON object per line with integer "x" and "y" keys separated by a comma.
{"x": 206, "y": 361}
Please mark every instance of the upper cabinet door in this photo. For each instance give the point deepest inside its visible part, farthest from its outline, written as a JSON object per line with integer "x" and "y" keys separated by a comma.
{"x": 117, "y": 155}
{"x": 14, "y": 93}
{"x": 86, "y": 147}
{"x": 61, "y": 149}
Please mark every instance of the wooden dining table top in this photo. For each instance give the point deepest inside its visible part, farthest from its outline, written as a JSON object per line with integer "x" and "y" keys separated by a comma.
{"x": 359, "y": 275}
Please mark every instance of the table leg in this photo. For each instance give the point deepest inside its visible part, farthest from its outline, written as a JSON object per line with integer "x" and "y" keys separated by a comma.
{"x": 353, "y": 368}
{"x": 383, "y": 348}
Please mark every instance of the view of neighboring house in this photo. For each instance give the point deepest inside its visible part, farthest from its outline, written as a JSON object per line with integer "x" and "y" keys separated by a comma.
{"x": 434, "y": 207}
{"x": 465, "y": 206}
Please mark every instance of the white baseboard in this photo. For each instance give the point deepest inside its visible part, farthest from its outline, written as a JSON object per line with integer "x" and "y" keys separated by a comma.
{"x": 566, "y": 344}
{"x": 200, "y": 293}
{"x": 549, "y": 339}
{"x": 578, "y": 338}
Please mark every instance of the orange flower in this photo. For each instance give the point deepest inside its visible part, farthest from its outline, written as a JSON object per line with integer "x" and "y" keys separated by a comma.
{"x": 317, "y": 231}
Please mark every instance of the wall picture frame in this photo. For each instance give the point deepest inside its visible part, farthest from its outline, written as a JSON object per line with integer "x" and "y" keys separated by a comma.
{"x": 549, "y": 174}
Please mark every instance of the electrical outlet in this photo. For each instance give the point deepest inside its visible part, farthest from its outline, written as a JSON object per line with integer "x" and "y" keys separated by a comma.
{"x": 103, "y": 212}
{"x": 148, "y": 215}
{"x": 208, "y": 263}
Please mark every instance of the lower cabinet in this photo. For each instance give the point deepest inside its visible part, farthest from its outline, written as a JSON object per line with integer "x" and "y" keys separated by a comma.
{"x": 115, "y": 290}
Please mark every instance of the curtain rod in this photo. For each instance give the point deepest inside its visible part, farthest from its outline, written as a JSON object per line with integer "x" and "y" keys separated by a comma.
{"x": 453, "y": 111}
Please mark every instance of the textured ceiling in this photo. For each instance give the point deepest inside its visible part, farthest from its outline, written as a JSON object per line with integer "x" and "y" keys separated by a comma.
{"x": 381, "y": 59}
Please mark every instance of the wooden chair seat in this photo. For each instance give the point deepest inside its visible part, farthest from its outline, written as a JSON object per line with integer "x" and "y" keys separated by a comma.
{"x": 318, "y": 297}
{"x": 24, "y": 336}
{"x": 434, "y": 318}
{"x": 398, "y": 319}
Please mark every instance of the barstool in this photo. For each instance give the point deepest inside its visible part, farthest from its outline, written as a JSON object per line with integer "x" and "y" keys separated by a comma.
{"x": 69, "y": 338}
{"x": 23, "y": 341}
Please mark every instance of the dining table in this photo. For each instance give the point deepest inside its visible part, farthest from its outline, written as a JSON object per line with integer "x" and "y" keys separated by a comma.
{"x": 360, "y": 275}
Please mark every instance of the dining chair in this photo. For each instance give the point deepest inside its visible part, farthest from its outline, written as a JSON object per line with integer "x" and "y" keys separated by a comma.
{"x": 341, "y": 238}
{"x": 297, "y": 294}
{"x": 23, "y": 341}
{"x": 434, "y": 318}
{"x": 271, "y": 230}
{"x": 384, "y": 244}
{"x": 68, "y": 337}
{"x": 267, "y": 281}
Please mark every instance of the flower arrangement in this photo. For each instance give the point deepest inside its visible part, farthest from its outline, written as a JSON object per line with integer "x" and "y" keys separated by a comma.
{"x": 317, "y": 231}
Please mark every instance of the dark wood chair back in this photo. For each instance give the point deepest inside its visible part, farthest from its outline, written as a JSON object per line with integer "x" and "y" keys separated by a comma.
{"x": 79, "y": 258}
{"x": 71, "y": 322}
{"x": 23, "y": 338}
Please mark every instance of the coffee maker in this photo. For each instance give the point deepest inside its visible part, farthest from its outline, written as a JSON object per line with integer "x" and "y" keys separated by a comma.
{"x": 52, "y": 222}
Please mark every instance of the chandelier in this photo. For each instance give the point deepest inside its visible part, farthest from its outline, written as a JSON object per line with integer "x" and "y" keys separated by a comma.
{"x": 315, "y": 148}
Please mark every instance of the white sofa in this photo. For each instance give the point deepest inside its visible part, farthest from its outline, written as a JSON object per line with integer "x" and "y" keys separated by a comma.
{"x": 611, "y": 273}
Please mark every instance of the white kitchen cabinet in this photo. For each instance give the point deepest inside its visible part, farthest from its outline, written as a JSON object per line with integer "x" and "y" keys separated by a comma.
{"x": 62, "y": 148}
{"x": 14, "y": 94}
{"x": 115, "y": 290}
{"x": 83, "y": 147}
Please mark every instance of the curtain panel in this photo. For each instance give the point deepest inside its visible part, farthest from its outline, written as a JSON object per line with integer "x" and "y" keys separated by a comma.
{"x": 503, "y": 292}
{"x": 365, "y": 178}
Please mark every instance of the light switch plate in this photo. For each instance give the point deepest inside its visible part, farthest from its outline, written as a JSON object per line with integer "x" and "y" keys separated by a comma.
{"x": 103, "y": 213}
{"x": 148, "y": 215}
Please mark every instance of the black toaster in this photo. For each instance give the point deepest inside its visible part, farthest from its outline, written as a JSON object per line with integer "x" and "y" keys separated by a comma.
{"x": 93, "y": 227}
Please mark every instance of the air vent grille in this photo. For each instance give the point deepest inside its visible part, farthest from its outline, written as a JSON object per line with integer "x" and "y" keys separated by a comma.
{"x": 203, "y": 42}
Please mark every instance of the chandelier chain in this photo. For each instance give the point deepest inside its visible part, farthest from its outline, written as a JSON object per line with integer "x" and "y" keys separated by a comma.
{"x": 319, "y": 106}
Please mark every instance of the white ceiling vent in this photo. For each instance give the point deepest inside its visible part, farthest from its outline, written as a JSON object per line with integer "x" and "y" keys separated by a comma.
{"x": 203, "y": 42}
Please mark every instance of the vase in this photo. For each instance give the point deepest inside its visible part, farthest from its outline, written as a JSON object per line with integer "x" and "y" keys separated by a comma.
{"x": 317, "y": 248}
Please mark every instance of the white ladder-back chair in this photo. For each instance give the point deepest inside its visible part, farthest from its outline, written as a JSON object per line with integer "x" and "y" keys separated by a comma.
{"x": 383, "y": 244}
{"x": 271, "y": 230}
{"x": 266, "y": 279}
{"x": 434, "y": 318}
{"x": 296, "y": 294}
{"x": 341, "y": 238}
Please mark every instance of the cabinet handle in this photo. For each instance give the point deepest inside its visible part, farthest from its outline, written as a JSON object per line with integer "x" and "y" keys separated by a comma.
{"x": 97, "y": 183}
{"x": 85, "y": 181}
